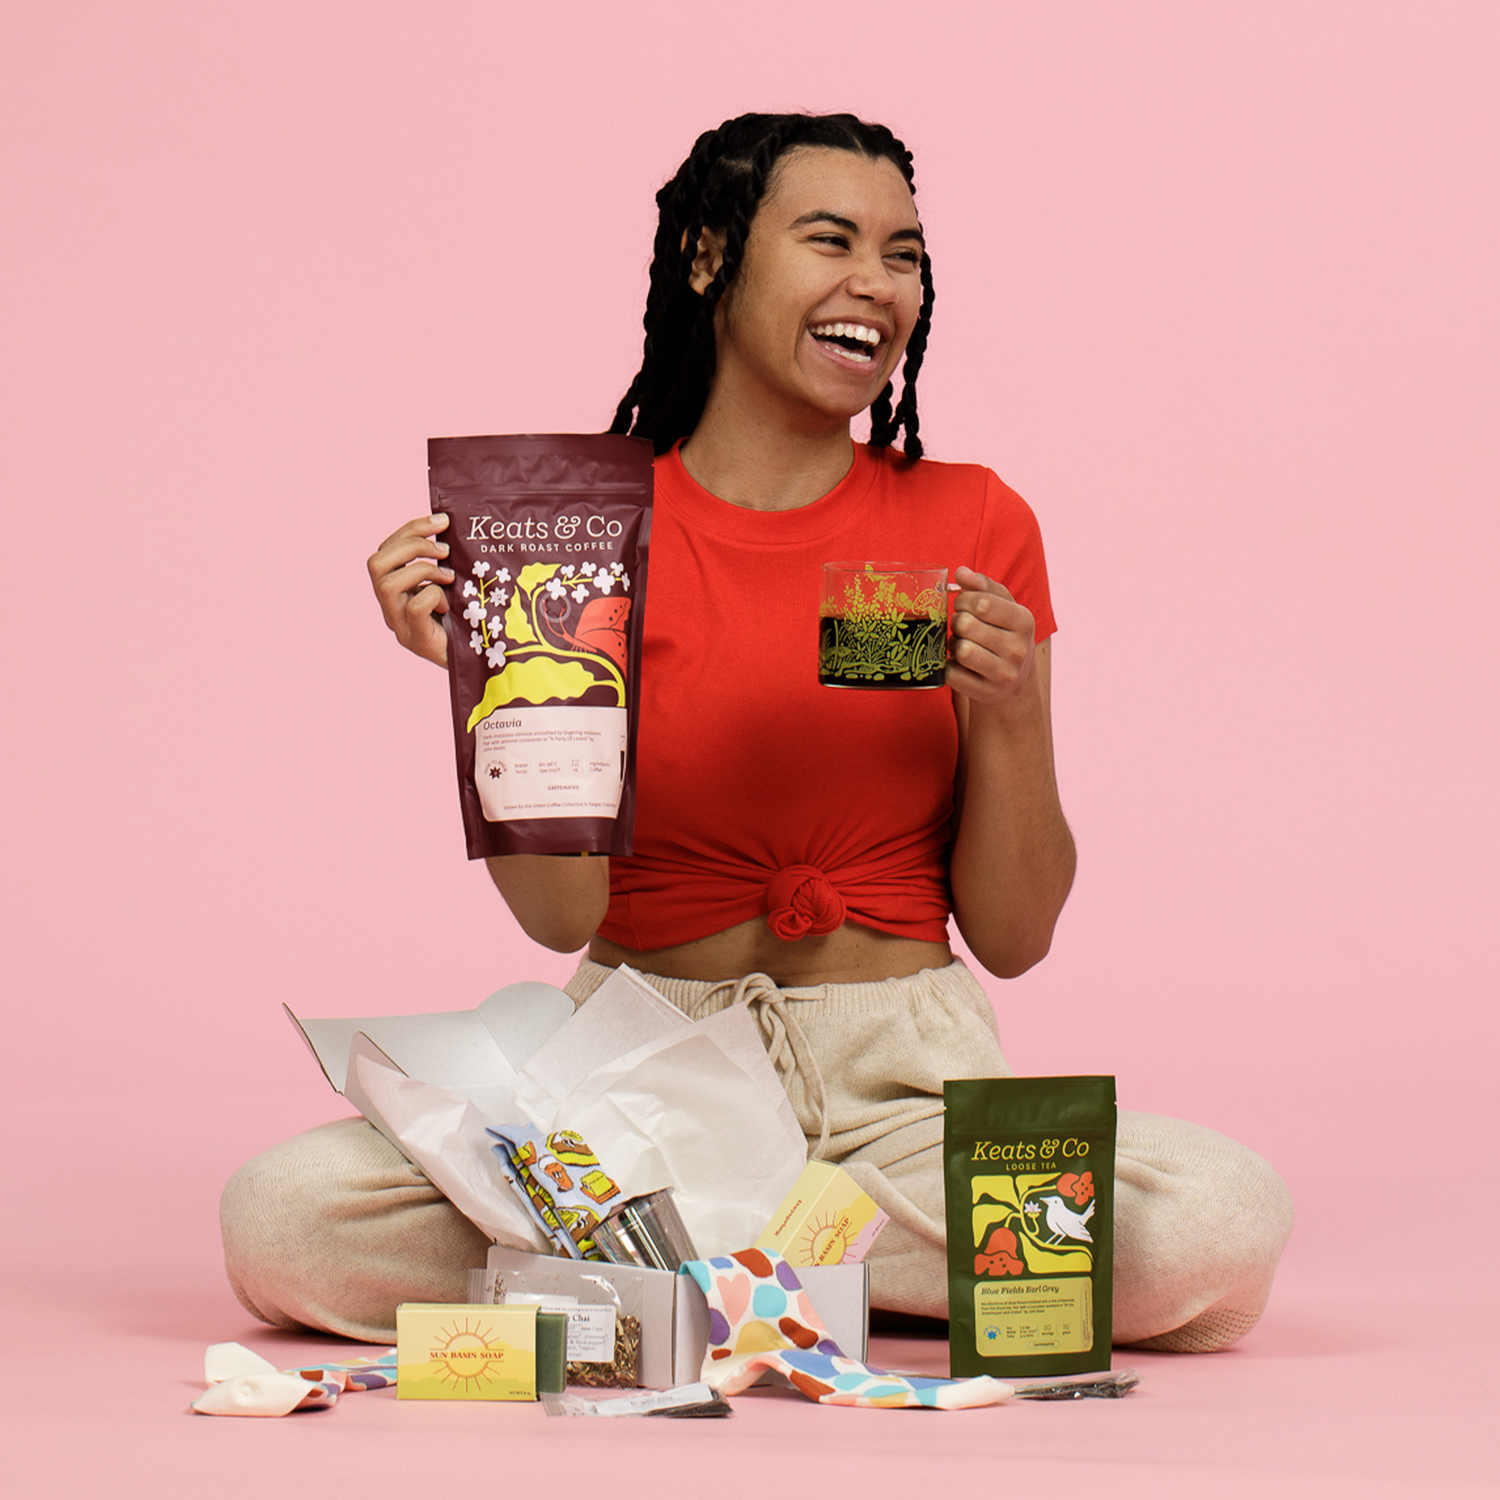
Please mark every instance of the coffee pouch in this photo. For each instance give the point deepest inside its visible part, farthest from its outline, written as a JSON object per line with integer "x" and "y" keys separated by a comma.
{"x": 548, "y": 540}
{"x": 1029, "y": 1176}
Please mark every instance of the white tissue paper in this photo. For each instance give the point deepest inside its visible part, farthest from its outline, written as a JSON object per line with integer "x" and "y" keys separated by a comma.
{"x": 698, "y": 1109}
{"x": 663, "y": 1101}
{"x": 444, "y": 1134}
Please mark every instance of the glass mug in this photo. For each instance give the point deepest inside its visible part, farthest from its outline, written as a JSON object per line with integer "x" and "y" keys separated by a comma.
{"x": 882, "y": 625}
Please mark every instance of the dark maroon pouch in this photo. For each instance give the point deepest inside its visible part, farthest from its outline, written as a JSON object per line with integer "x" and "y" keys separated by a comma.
{"x": 548, "y": 541}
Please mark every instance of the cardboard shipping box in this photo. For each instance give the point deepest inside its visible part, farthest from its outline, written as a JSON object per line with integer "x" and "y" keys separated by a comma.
{"x": 479, "y": 1056}
{"x": 674, "y": 1312}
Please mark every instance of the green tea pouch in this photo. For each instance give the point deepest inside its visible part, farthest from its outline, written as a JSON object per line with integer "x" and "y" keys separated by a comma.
{"x": 1029, "y": 1179}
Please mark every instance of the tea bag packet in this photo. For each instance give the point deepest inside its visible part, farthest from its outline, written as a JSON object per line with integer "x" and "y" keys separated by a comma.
{"x": 604, "y": 1325}
{"x": 601, "y": 1297}
{"x": 548, "y": 540}
{"x": 1029, "y": 1172}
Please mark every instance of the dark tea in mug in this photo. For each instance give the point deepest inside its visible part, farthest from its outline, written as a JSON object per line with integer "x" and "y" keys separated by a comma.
{"x": 882, "y": 625}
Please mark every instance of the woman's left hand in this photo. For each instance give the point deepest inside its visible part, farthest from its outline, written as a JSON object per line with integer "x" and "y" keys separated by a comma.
{"x": 993, "y": 644}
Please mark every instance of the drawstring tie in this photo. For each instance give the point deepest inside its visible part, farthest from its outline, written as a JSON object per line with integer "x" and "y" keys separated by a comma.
{"x": 786, "y": 1043}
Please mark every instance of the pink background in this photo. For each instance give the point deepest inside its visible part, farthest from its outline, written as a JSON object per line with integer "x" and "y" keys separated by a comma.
{"x": 1216, "y": 292}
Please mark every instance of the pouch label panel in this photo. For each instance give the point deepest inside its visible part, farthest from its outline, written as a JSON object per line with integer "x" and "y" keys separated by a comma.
{"x": 555, "y": 762}
{"x": 1055, "y": 1316}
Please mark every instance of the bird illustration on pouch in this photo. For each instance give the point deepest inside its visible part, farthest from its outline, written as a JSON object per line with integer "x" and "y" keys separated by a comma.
{"x": 1062, "y": 1221}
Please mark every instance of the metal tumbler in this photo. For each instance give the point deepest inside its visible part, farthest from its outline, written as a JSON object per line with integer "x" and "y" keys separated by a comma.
{"x": 645, "y": 1231}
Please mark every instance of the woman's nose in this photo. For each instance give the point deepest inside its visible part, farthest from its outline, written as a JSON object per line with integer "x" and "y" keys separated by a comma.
{"x": 872, "y": 279}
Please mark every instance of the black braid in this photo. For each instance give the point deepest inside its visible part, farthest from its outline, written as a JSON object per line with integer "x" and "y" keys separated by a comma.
{"x": 916, "y": 348}
{"x": 720, "y": 187}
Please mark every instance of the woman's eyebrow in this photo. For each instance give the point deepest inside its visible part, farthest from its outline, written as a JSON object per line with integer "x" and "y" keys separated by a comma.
{"x": 827, "y": 216}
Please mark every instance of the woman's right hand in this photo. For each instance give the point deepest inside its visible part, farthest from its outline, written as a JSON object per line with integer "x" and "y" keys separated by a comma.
{"x": 408, "y": 576}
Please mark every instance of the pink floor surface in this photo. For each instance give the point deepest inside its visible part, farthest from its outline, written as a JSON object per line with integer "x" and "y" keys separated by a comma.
{"x": 1319, "y": 1402}
{"x": 1357, "y": 1388}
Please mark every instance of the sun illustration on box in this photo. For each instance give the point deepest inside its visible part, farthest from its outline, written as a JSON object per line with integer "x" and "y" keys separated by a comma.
{"x": 469, "y": 1353}
{"x": 825, "y": 1242}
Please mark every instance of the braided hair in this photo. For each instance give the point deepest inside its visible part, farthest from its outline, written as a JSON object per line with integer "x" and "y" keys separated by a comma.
{"x": 720, "y": 187}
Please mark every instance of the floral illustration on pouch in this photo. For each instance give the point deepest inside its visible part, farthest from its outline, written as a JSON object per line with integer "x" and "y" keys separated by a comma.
{"x": 1031, "y": 1222}
{"x": 1079, "y": 1186}
{"x": 550, "y": 635}
{"x": 999, "y": 1257}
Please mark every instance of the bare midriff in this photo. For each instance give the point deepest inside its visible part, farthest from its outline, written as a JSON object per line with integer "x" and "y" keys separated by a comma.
{"x": 849, "y": 955}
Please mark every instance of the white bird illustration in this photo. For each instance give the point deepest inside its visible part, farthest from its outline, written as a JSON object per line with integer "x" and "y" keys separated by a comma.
{"x": 1064, "y": 1223}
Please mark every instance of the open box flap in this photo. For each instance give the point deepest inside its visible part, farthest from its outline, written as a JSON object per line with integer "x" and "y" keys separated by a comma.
{"x": 466, "y": 1051}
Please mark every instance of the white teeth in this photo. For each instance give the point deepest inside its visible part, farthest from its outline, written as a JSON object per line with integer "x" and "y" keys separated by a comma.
{"x": 847, "y": 331}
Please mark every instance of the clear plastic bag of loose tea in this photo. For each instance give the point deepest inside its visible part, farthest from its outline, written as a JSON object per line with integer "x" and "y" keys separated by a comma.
{"x": 1028, "y": 1177}
{"x": 604, "y": 1319}
{"x": 549, "y": 539}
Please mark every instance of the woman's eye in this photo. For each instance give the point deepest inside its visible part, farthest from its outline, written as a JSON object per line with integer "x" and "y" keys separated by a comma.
{"x": 907, "y": 257}
{"x": 831, "y": 239}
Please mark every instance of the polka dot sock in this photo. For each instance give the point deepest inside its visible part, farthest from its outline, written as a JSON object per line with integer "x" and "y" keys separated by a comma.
{"x": 762, "y": 1324}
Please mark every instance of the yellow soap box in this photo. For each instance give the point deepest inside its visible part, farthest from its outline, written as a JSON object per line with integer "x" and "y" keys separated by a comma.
{"x": 826, "y": 1219}
{"x": 447, "y": 1352}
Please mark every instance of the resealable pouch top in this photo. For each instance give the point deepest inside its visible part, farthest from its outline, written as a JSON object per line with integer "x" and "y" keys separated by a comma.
{"x": 1029, "y": 1177}
{"x": 548, "y": 539}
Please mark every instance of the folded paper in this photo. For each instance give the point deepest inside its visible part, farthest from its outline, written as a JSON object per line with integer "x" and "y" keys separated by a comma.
{"x": 473, "y": 1053}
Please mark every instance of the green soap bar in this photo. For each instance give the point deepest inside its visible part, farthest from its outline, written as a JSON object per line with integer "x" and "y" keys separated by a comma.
{"x": 551, "y": 1353}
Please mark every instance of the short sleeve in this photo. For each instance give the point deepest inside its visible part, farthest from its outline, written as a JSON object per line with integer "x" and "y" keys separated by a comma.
{"x": 1009, "y": 548}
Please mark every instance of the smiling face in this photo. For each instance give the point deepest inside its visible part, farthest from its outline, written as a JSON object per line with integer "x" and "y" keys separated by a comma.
{"x": 815, "y": 322}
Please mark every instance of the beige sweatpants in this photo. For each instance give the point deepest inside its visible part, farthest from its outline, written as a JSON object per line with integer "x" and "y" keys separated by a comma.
{"x": 333, "y": 1228}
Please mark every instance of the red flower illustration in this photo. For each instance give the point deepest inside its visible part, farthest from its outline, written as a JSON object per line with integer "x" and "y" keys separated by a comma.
{"x": 1080, "y": 1188}
{"x": 600, "y": 627}
{"x": 999, "y": 1257}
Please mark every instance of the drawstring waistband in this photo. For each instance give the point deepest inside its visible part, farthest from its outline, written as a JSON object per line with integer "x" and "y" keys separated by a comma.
{"x": 919, "y": 1029}
{"x": 786, "y": 1043}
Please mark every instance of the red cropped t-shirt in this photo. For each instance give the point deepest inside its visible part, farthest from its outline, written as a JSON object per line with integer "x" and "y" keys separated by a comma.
{"x": 760, "y": 793}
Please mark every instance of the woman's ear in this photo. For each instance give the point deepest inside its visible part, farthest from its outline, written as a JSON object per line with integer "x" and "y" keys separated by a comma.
{"x": 707, "y": 261}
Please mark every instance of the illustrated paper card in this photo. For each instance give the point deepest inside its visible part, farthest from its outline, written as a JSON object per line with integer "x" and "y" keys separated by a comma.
{"x": 1029, "y": 1186}
{"x": 562, "y": 1181}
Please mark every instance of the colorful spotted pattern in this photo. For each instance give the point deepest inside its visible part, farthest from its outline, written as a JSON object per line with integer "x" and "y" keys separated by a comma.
{"x": 761, "y": 1324}
{"x": 370, "y": 1374}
